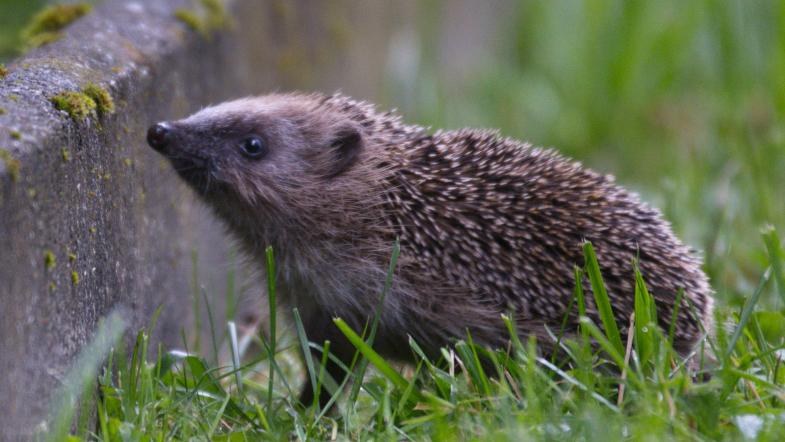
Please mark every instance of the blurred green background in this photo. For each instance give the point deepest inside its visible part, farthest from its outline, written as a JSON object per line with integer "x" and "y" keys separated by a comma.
{"x": 13, "y": 16}
{"x": 682, "y": 101}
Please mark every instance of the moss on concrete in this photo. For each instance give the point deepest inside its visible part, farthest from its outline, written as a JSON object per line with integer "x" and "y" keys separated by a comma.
{"x": 66, "y": 154}
{"x": 216, "y": 16}
{"x": 209, "y": 17}
{"x": 78, "y": 105}
{"x": 11, "y": 164}
{"x": 2, "y": 111}
{"x": 74, "y": 278}
{"x": 92, "y": 99}
{"x": 49, "y": 260}
{"x": 42, "y": 39}
{"x": 16, "y": 135}
{"x": 3, "y": 71}
{"x": 47, "y": 25}
{"x": 191, "y": 19}
{"x": 103, "y": 99}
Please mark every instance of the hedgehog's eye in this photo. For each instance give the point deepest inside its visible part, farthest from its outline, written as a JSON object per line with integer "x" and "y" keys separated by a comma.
{"x": 253, "y": 147}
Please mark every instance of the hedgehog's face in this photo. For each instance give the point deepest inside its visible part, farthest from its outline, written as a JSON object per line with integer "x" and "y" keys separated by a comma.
{"x": 255, "y": 150}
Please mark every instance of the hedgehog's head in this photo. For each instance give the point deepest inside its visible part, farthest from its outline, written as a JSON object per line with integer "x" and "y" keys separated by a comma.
{"x": 271, "y": 152}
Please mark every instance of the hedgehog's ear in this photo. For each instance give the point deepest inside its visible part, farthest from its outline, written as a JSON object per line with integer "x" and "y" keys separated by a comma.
{"x": 344, "y": 148}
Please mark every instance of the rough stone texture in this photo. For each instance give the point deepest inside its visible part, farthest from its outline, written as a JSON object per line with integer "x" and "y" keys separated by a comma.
{"x": 94, "y": 191}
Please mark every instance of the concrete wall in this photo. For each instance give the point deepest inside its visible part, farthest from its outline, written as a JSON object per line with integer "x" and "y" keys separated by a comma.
{"x": 91, "y": 195}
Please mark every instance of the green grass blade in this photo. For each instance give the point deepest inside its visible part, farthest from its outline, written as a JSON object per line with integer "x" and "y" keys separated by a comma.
{"x": 517, "y": 346}
{"x": 580, "y": 297}
{"x": 305, "y": 348}
{"x": 322, "y": 372}
{"x": 271, "y": 299}
{"x": 774, "y": 250}
{"x": 396, "y": 251}
{"x": 674, "y": 315}
{"x": 136, "y": 361}
{"x": 203, "y": 377}
{"x": 197, "y": 311}
{"x": 601, "y": 298}
{"x": 231, "y": 295}
{"x": 363, "y": 364}
{"x": 211, "y": 322}
{"x": 374, "y": 358}
{"x": 468, "y": 354}
{"x": 218, "y": 415}
{"x": 571, "y": 380}
{"x": 235, "y": 350}
{"x": 610, "y": 349}
{"x": 746, "y": 312}
{"x": 645, "y": 320}
{"x": 564, "y": 322}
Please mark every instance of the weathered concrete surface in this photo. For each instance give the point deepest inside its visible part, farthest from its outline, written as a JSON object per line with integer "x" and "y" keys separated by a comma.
{"x": 108, "y": 209}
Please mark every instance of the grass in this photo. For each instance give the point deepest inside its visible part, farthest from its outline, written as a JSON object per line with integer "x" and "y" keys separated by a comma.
{"x": 599, "y": 388}
{"x": 684, "y": 102}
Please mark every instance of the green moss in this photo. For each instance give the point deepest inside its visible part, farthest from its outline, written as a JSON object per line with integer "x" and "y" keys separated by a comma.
{"x": 191, "y": 19}
{"x": 49, "y": 260}
{"x": 46, "y": 26}
{"x": 128, "y": 162}
{"x": 217, "y": 18}
{"x": 103, "y": 100}
{"x": 71, "y": 257}
{"x": 66, "y": 154}
{"x": 3, "y": 71}
{"x": 31, "y": 192}
{"x": 15, "y": 134}
{"x": 12, "y": 164}
{"x": 13, "y": 97}
{"x": 2, "y": 111}
{"x": 74, "y": 278}
{"x": 92, "y": 230}
{"x": 42, "y": 39}
{"x": 211, "y": 16}
{"x": 77, "y": 104}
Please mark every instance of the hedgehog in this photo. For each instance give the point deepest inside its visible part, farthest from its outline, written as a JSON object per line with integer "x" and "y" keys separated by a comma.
{"x": 487, "y": 225}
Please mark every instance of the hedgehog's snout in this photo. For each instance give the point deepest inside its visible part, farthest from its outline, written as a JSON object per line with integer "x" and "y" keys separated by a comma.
{"x": 159, "y": 136}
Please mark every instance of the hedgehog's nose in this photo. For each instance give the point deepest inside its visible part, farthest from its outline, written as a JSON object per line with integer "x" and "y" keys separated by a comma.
{"x": 159, "y": 136}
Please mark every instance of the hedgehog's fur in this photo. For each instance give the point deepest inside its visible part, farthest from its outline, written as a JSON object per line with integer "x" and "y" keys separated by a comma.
{"x": 487, "y": 225}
